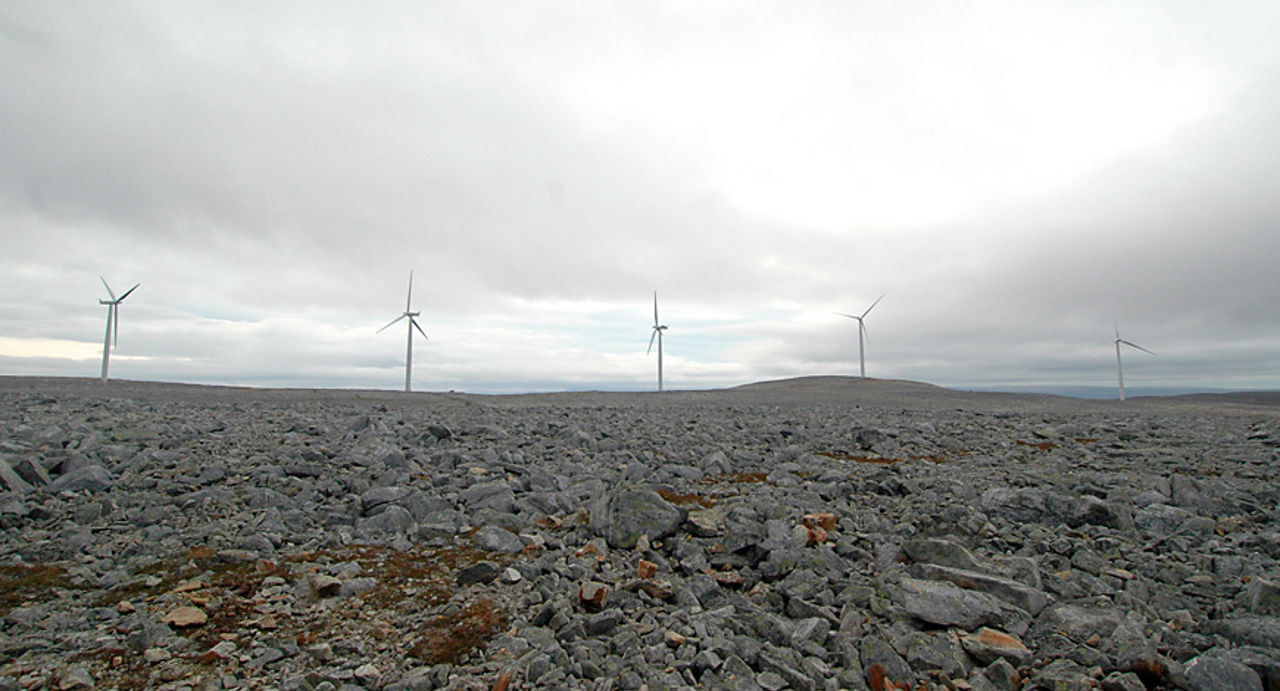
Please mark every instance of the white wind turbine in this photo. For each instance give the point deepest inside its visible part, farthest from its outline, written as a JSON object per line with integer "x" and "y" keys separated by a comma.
{"x": 1119, "y": 368}
{"x": 657, "y": 333}
{"x": 413, "y": 324}
{"x": 862, "y": 330}
{"x": 113, "y": 323}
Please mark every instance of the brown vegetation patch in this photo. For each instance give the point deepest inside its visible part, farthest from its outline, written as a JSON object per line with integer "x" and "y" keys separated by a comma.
{"x": 1042, "y": 445}
{"x": 1086, "y": 440}
{"x": 450, "y": 639}
{"x": 743, "y": 478}
{"x": 24, "y": 583}
{"x": 118, "y": 668}
{"x": 705, "y": 502}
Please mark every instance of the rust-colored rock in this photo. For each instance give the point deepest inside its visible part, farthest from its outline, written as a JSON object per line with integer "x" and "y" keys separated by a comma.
{"x": 661, "y": 590}
{"x": 503, "y": 680}
{"x": 986, "y": 645}
{"x": 646, "y": 569}
{"x": 183, "y": 617}
{"x": 593, "y": 596}
{"x": 826, "y": 521}
{"x": 814, "y": 535}
{"x": 673, "y": 639}
{"x": 729, "y": 579}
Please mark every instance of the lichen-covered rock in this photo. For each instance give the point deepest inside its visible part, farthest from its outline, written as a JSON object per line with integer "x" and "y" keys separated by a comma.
{"x": 621, "y": 518}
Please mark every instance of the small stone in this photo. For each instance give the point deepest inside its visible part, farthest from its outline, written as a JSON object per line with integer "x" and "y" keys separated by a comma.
{"x": 646, "y": 569}
{"x": 124, "y": 607}
{"x": 184, "y": 617}
{"x": 154, "y": 655}
{"x": 825, "y": 521}
{"x": 511, "y": 575}
{"x": 479, "y": 572}
{"x": 221, "y": 651}
{"x": 76, "y": 677}
{"x": 593, "y": 596}
{"x": 368, "y": 675}
{"x": 987, "y": 645}
{"x": 325, "y": 585}
{"x": 673, "y": 639}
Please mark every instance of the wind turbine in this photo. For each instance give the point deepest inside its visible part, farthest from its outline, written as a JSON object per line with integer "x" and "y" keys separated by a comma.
{"x": 862, "y": 330}
{"x": 413, "y": 324}
{"x": 113, "y": 323}
{"x": 1119, "y": 368}
{"x": 657, "y": 333}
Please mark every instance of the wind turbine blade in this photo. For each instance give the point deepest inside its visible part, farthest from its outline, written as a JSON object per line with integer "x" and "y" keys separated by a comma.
{"x": 126, "y": 293}
{"x": 414, "y": 322}
{"x": 846, "y": 315}
{"x": 109, "y": 291}
{"x": 393, "y": 321}
{"x": 1135, "y": 345}
{"x": 655, "y": 308}
{"x": 873, "y": 305}
{"x": 408, "y": 299}
{"x": 651, "y": 337}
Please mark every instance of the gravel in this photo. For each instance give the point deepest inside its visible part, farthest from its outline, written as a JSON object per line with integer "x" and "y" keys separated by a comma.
{"x": 819, "y": 533}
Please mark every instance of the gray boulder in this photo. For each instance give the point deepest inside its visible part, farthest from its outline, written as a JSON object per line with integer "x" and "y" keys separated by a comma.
{"x": 1221, "y": 674}
{"x": 622, "y": 517}
{"x": 10, "y": 480}
{"x": 90, "y": 477}
{"x": 945, "y": 604}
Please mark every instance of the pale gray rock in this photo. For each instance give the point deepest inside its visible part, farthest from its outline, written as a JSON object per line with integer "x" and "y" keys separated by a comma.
{"x": 10, "y": 480}
{"x": 1012, "y": 592}
{"x": 32, "y": 471}
{"x": 945, "y": 604}
{"x": 623, "y": 517}
{"x": 1221, "y": 674}
{"x": 495, "y": 539}
{"x": 91, "y": 478}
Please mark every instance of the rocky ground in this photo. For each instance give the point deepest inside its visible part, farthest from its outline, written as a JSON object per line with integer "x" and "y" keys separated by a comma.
{"x": 813, "y": 534}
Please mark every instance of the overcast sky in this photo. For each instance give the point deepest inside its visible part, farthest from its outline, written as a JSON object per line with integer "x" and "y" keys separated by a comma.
{"x": 1012, "y": 176}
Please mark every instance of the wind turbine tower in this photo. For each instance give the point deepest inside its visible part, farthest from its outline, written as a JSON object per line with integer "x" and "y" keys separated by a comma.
{"x": 413, "y": 324}
{"x": 113, "y": 323}
{"x": 657, "y": 333}
{"x": 1119, "y": 367}
{"x": 862, "y": 330}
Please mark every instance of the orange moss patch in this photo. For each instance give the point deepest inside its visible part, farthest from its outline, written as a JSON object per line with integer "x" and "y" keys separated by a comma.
{"x": 744, "y": 478}
{"x": 23, "y": 583}
{"x": 452, "y": 638}
{"x": 687, "y": 499}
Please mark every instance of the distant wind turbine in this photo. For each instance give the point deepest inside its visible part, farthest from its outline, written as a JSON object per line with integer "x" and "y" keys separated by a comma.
{"x": 113, "y": 323}
{"x": 413, "y": 324}
{"x": 862, "y": 330}
{"x": 1119, "y": 368}
{"x": 657, "y": 333}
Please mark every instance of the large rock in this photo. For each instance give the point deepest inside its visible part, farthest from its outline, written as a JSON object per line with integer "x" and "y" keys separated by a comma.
{"x": 1220, "y": 674}
{"x": 11, "y": 480}
{"x": 1078, "y": 621}
{"x": 91, "y": 477}
{"x": 1010, "y": 591}
{"x": 622, "y": 517}
{"x": 945, "y": 604}
{"x": 1263, "y": 631}
{"x": 1026, "y": 505}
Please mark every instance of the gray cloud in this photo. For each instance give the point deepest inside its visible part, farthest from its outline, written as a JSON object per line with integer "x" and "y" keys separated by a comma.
{"x": 270, "y": 175}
